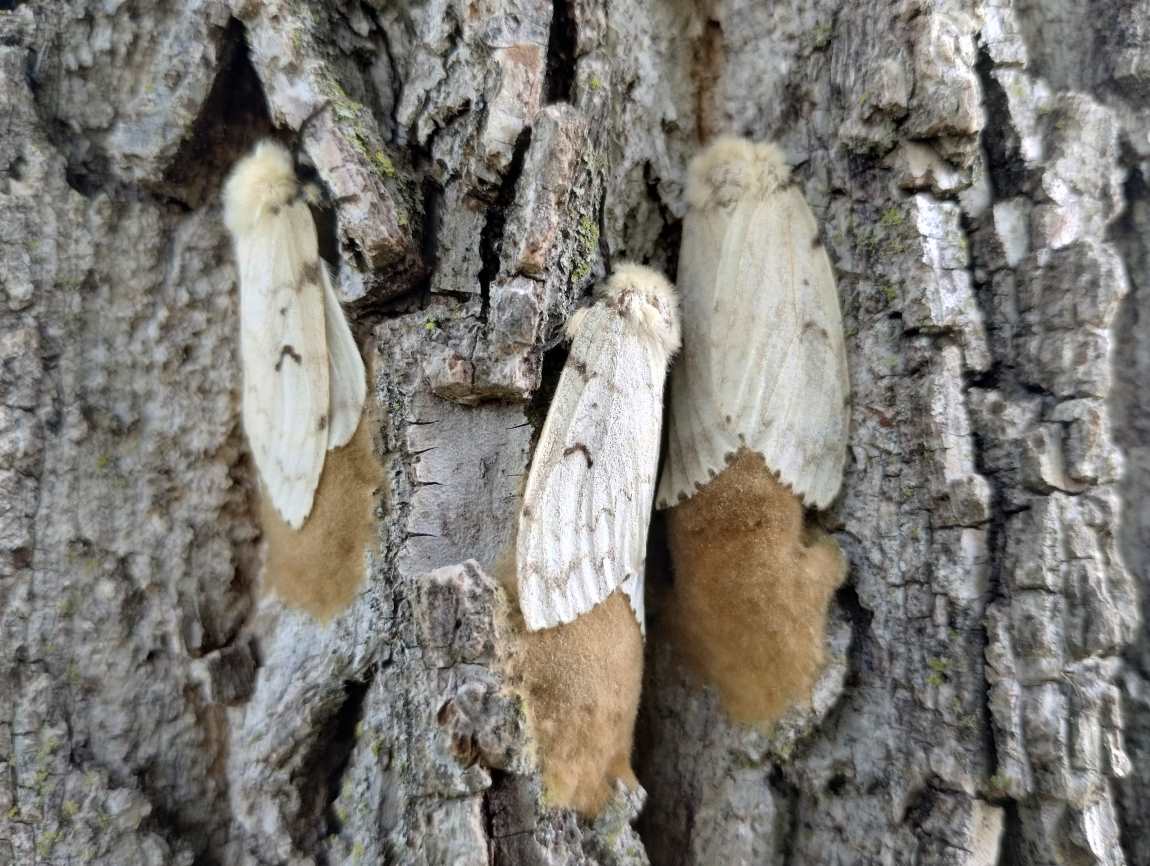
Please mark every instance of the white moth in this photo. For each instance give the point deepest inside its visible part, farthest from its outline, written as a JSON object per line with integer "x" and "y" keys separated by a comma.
{"x": 587, "y": 506}
{"x": 764, "y": 365}
{"x": 304, "y": 380}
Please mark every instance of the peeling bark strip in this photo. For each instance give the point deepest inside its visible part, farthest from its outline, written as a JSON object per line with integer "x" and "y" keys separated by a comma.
{"x": 979, "y": 173}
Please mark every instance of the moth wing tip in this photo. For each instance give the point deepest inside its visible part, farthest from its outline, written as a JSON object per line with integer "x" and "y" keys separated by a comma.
{"x": 292, "y": 501}
{"x": 813, "y": 492}
{"x": 537, "y": 619}
{"x": 292, "y": 515}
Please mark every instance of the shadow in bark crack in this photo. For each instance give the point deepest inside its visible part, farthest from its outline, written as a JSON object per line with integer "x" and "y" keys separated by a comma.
{"x": 319, "y": 782}
{"x": 559, "y": 79}
{"x": 491, "y": 237}
{"x": 234, "y": 116}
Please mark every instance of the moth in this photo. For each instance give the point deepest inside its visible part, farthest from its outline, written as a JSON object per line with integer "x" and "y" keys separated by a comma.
{"x": 764, "y": 367}
{"x": 304, "y": 383}
{"x": 587, "y": 504}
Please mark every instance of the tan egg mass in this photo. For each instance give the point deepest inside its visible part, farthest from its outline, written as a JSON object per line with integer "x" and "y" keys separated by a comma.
{"x": 580, "y": 683}
{"x": 752, "y": 586}
{"x": 320, "y": 568}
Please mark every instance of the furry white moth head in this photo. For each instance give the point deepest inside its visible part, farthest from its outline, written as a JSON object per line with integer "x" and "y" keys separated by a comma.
{"x": 731, "y": 168}
{"x": 260, "y": 185}
{"x": 647, "y": 300}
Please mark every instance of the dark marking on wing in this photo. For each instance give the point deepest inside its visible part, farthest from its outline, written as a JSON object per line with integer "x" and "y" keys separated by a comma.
{"x": 274, "y": 210}
{"x": 308, "y": 275}
{"x": 322, "y": 425}
{"x": 528, "y": 514}
{"x": 290, "y": 352}
{"x": 581, "y": 448}
{"x": 817, "y": 240}
{"x": 815, "y": 328}
{"x": 283, "y": 311}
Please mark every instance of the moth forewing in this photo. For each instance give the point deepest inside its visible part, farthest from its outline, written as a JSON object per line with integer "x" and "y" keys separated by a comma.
{"x": 633, "y": 588}
{"x": 347, "y": 374}
{"x": 587, "y": 504}
{"x": 296, "y": 349}
{"x": 765, "y": 366}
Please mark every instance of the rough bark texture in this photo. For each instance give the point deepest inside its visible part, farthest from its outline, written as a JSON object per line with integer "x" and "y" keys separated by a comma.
{"x": 980, "y": 168}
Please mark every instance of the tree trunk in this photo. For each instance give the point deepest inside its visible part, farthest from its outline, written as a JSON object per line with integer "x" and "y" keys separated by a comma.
{"x": 979, "y": 168}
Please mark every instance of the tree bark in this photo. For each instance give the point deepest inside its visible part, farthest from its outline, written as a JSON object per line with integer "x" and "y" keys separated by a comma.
{"x": 979, "y": 168}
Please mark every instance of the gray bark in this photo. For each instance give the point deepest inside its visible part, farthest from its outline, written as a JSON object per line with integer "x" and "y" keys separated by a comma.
{"x": 980, "y": 171}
